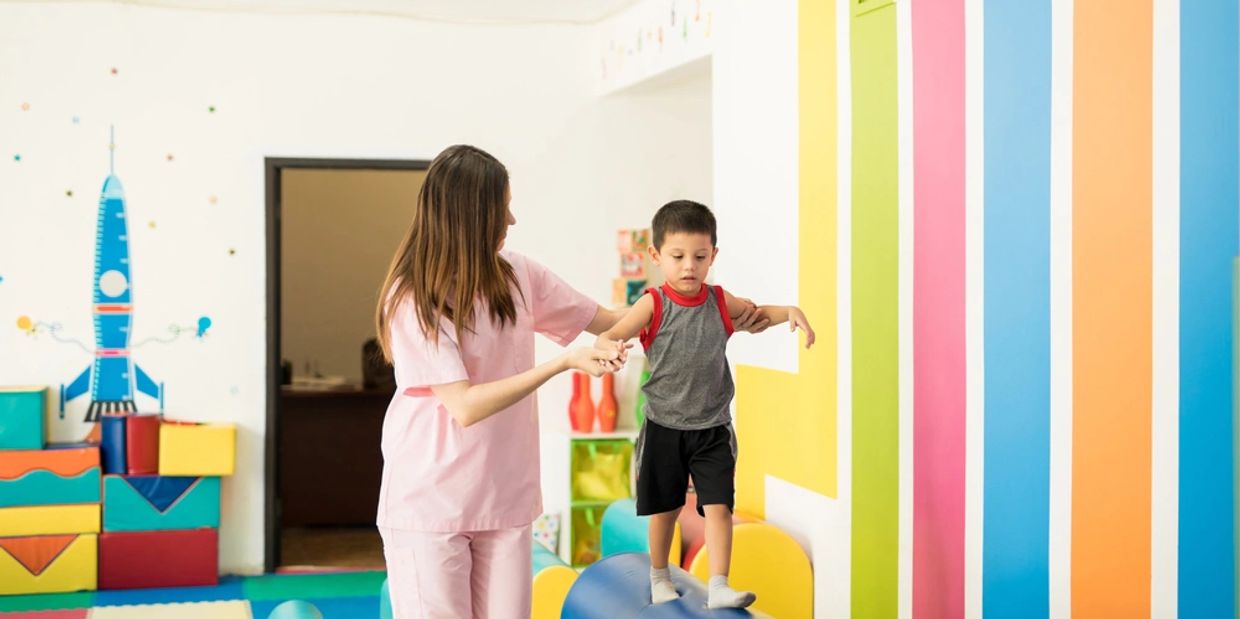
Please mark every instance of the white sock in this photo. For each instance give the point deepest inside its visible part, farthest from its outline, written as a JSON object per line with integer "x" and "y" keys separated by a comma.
{"x": 661, "y": 587}
{"x": 723, "y": 596}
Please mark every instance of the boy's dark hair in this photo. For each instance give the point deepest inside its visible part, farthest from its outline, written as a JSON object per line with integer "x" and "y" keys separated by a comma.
{"x": 683, "y": 216}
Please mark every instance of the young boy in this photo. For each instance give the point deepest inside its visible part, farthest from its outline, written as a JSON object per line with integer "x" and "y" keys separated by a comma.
{"x": 684, "y": 327}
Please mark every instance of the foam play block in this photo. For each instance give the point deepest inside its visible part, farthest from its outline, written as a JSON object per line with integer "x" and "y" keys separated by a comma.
{"x": 142, "y": 444}
{"x": 48, "y": 564}
{"x": 693, "y": 529}
{"x": 49, "y": 476}
{"x": 197, "y": 449}
{"x": 142, "y": 559}
{"x": 155, "y": 503}
{"x": 49, "y": 520}
{"x": 112, "y": 444}
{"x": 624, "y": 531}
{"x": 21, "y": 417}
{"x": 770, "y": 563}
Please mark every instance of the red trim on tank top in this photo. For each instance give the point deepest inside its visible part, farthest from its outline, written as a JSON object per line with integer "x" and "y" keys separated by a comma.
{"x": 722, "y": 302}
{"x": 682, "y": 300}
{"x": 647, "y": 334}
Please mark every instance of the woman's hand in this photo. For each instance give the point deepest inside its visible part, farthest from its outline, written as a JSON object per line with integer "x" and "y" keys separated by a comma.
{"x": 603, "y": 342}
{"x": 593, "y": 361}
{"x": 752, "y": 319}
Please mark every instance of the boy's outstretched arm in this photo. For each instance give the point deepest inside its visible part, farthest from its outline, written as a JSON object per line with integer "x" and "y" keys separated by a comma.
{"x": 628, "y": 327}
{"x": 777, "y": 314}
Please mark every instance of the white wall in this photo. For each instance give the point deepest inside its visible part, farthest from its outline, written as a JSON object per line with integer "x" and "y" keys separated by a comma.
{"x": 311, "y": 86}
{"x": 641, "y": 148}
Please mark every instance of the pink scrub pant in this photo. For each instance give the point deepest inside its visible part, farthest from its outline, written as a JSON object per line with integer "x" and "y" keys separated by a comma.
{"x": 475, "y": 575}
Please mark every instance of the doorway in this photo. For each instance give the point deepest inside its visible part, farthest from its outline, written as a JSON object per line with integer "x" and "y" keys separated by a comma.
{"x": 332, "y": 225}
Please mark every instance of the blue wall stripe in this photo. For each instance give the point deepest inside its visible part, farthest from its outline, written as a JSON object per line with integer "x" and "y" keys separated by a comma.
{"x": 1017, "y": 91}
{"x": 1209, "y": 146}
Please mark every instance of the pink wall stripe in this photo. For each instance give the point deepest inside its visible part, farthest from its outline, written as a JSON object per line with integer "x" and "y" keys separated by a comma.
{"x": 938, "y": 308}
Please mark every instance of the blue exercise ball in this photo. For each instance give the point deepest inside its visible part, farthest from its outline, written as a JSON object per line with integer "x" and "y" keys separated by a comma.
{"x": 295, "y": 609}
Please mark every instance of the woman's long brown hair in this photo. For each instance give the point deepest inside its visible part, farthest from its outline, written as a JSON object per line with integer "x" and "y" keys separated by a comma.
{"x": 449, "y": 260}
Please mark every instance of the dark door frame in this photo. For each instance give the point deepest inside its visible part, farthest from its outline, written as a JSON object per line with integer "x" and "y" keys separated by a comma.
{"x": 274, "y": 167}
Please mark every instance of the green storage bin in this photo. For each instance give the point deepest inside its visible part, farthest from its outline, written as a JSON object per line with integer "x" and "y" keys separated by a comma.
{"x": 601, "y": 469}
{"x": 587, "y": 534}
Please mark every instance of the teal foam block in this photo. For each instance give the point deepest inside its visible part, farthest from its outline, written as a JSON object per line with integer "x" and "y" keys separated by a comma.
{"x": 43, "y": 487}
{"x": 385, "y": 602}
{"x": 542, "y": 559}
{"x": 153, "y": 503}
{"x": 21, "y": 417}
{"x": 314, "y": 587}
{"x": 623, "y": 530}
{"x": 295, "y": 609}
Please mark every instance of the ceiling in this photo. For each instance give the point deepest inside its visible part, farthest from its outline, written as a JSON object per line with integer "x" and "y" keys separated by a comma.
{"x": 460, "y": 11}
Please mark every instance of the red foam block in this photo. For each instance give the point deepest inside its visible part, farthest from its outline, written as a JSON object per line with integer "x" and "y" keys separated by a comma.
{"x": 142, "y": 444}
{"x": 144, "y": 559}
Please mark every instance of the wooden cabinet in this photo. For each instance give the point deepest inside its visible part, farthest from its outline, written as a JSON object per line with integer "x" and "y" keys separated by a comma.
{"x": 330, "y": 460}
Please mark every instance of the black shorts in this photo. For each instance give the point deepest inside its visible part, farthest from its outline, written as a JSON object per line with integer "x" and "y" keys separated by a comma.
{"x": 666, "y": 457}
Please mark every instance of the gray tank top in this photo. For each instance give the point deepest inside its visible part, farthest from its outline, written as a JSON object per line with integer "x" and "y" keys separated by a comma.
{"x": 690, "y": 385}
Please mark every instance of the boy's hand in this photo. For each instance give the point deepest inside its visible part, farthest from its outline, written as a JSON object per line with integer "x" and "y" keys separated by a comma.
{"x": 797, "y": 320}
{"x": 621, "y": 348}
{"x": 752, "y": 319}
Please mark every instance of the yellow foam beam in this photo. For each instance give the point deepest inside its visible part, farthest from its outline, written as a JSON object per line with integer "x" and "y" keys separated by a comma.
{"x": 786, "y": 423}
{"x": 551, "y": 586}
{"x": 74, "y": 570}
{"x": 49, "y": 520}
{"x": 770, "y": 563}
{"x": 197, "y": 450}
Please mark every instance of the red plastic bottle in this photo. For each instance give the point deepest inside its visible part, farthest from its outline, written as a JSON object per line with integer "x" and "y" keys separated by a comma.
{"x": 581, "y": 407}
{"x": 607, "y": 407}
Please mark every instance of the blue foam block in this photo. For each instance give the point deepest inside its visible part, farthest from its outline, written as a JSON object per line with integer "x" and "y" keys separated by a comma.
{"x": 112, "y": 444}
{"x": 228, "y": 589}
{"x": 154, "y": 503}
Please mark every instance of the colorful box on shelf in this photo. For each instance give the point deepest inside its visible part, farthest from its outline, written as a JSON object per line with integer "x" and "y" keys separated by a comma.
{"x": 48, "y": 564}
{"x": 22, "y": 417}
{"x": 58, "y": 475}
{"x": 197, "y": 449}
{"x": 156, "y": 503}
{"x": 636, "y": 266}
{"x": 633, "y": 241}
{"x": 625, "y": 291}
{"x": 29, "y": 520}
{"x": 143, "y": 559}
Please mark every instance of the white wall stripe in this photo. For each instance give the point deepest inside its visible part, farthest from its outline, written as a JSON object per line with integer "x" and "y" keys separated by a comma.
{"x": 975, "y": 365}
{"x": 1164, "y": 521}
{"x": 904, "y": 71}
{"x": 838, "y": 588}
{"x": 1060, "y": 550}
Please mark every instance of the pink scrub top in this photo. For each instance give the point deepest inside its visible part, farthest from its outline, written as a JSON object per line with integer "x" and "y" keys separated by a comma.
{"x": 439, "y": 476}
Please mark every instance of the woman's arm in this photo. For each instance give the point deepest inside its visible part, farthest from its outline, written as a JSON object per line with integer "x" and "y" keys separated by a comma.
{"x": 469, "y": 404}
{"x": 605, "y": 319}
